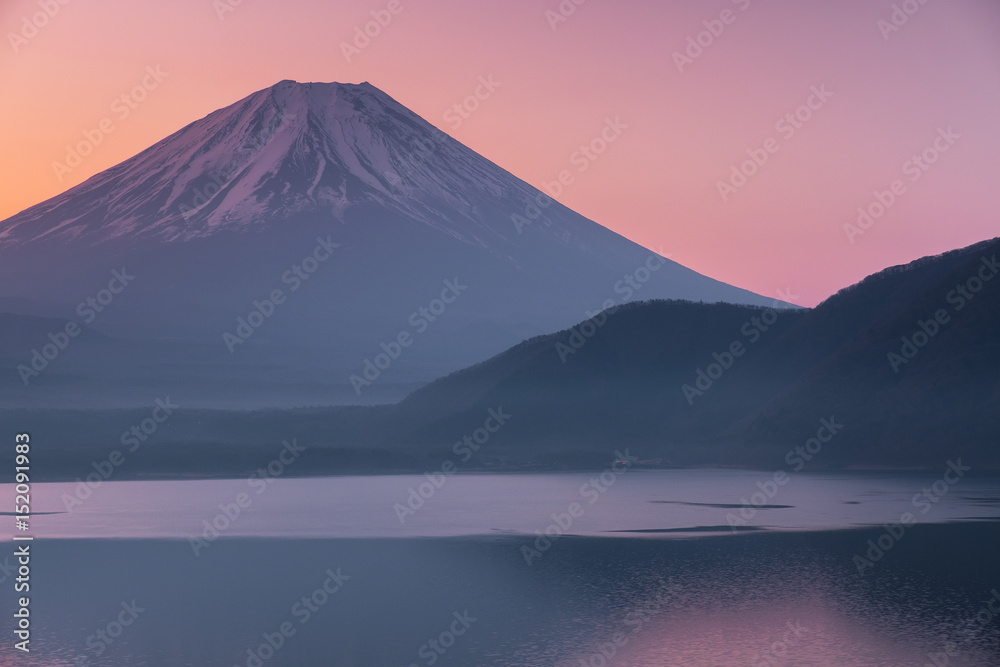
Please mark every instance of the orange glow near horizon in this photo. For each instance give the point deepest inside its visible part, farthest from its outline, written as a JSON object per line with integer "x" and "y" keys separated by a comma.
{"x": 892, "y": 91}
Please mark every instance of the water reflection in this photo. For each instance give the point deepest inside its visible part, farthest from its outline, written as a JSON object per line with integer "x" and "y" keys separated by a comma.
{"x": 764, "y": 599}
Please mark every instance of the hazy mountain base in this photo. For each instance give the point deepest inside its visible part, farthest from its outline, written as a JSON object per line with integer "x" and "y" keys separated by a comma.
{"x": 665, "y": 380}
{"x": 299, "y": 230}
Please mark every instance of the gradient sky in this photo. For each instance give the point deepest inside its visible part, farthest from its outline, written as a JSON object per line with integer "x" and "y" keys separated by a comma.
{"x": 657, "y": 184}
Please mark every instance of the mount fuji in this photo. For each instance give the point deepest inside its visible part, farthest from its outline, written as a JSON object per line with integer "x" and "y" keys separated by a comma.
{"x": 358, "y": 212}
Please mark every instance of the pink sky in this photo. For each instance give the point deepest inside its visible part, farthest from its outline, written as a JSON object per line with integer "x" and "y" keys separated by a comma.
{"x": 657, "y": 184}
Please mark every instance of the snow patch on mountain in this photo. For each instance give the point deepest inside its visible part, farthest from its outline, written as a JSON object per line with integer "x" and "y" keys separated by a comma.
{"x": 282, "y": 151}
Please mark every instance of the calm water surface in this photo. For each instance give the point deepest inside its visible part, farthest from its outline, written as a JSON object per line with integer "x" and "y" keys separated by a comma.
{"x": 640, "y": 571}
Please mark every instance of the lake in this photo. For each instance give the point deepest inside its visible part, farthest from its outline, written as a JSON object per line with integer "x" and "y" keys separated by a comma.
{"x": 680, "y": 567}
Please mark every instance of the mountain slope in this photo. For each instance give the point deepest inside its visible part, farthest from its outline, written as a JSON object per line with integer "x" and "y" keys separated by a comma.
{"x": 626, "y": 383}
{"x": 909, "y": 395}
{"x": 217, "y": 216}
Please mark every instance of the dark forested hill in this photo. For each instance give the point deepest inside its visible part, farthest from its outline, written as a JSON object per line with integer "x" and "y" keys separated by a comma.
{"x": 907, "y": 361}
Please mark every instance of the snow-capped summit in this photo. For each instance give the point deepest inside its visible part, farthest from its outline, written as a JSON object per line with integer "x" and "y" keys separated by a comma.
{"x": 293, "y": 148}
{"x": 211, "y": 219}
